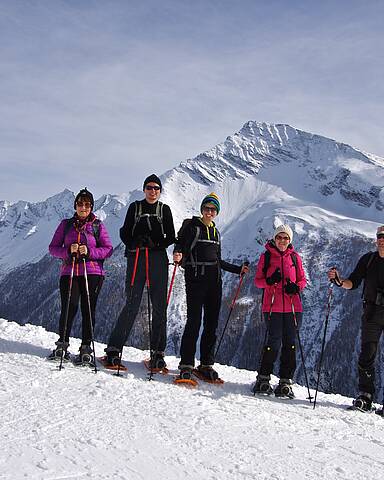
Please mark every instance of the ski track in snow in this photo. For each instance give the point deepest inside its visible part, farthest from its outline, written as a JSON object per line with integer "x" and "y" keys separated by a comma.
{"x": 76, "y": 424}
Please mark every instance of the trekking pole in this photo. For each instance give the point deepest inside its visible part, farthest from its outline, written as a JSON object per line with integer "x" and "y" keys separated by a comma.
{"x": 147, "y": 282}
{"x": 89, "y": 311}
{"x": 301, "y": 348}
{"x": 231, "y": 308}
{"x": 67, "y": 309}
{"x": 172, "y": 282}
{"x": 329, "y": 301}
{"x": 130, "y": 298}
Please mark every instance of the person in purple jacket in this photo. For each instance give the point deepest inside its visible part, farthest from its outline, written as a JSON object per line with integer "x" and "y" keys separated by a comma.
{"x": 82, "y": 236}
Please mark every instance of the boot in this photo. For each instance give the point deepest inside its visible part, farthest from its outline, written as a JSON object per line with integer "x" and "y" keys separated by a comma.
{"x": 284, "y": 389}
{"x": 85, "y": 356}
{"x": 61, "y": 349}
{"x": 185, "y": 373}
{"x": 363, "y": 402}
{"x": 157, "y": 361}
{"x": 208, "y": 373}
{"x": 262, "y": 385}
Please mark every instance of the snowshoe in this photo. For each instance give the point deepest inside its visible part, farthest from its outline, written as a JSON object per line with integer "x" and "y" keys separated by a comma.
{"x": 185, "y": 378}
{"x": 56, "y": 355}
{"x": 284, "y": 389}
{"x": 262, "y": 386}
{"x": 363, "y": 403}
{"x": 112, "y": 362}
{"x": 207, "y": 374}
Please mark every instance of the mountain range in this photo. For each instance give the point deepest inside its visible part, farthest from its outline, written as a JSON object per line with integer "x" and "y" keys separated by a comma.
{"x": 330, "y": 193}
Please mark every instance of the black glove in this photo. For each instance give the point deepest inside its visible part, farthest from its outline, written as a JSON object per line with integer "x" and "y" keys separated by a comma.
{"x": 274, "y": 278}
{"x": 291, "y": 288}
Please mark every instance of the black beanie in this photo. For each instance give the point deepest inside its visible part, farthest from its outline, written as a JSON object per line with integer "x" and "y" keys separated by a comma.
{"x": 84, "y": 193}
{"x": 153, "y": 179}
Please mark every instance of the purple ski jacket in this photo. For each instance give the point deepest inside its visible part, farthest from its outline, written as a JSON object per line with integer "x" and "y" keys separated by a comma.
{"x": 81, "y": 233}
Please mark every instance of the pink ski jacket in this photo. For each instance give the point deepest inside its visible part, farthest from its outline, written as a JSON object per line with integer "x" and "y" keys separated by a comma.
{"x": 282, "y": 260}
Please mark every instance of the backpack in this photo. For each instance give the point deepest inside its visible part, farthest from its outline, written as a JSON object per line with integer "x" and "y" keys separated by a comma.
{"x": 158, "y": 214}
{"x": 193, "y": 262}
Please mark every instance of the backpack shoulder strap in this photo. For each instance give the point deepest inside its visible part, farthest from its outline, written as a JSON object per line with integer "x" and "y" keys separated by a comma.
{"x": 267, "y": 261}
{"x": 96, "y": 230}
{"x": 67, "y": 226}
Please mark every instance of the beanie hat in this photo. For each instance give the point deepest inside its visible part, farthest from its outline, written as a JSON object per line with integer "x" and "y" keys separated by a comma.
{"x": 211, "y": 198}
{"x": 84, "y": 193}
{"x": 153, "y": 179}
{"x": 284, "y": 229}
{"x": 380, "y": 230}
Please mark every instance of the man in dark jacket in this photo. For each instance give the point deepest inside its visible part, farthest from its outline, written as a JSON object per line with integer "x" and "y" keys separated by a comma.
{"x": 148, "y": 228}
{"x": 198, "y": 247}
{"x": 369, "y": 268}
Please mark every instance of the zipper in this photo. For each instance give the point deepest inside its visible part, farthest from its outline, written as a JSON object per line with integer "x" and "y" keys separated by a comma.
{"x": 282, "y": 282}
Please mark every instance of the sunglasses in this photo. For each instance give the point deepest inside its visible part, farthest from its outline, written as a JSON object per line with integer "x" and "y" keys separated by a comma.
{"x": 209, "y": 209}
{"x": 84, "y": 204}
{"x": 285, "y": 239}
{"x": 152, "y": 187}
{"x": 380, "y": 235}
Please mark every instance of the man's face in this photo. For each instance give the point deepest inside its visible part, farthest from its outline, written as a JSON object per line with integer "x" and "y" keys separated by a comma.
{"x": 152, "y": 192}
{"x": 209, "y": 212}
{"x": 380, "y": 240}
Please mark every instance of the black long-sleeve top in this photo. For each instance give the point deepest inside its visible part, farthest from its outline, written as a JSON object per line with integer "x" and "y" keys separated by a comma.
{"x": 369, "y": 268}
{"x": 139, "y": 234}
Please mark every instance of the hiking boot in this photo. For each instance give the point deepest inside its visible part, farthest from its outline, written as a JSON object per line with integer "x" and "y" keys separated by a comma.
{"x": 85, "y": 356}
{"x": 57, "y": 353}
{"x": 208, "y": 372}
{"x": 363, "y": 402}
{"x": 113, "y": 359}
{"x": 284, "y": 389}
{"x": 157, "y": 361}
{"x": 185, "y": 373}
{"x": 262, "y": 385}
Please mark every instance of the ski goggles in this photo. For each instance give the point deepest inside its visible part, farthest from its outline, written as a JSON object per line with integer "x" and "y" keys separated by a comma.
{"x": 152, "y": 187}
{"x": 380, "y": 235}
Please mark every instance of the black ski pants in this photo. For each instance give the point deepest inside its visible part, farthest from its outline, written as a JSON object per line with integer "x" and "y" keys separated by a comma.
{"x": 78, "y": 292}
{"x": 372, "y": 325}
{"x": 281, "y": 332}
{"x": 158, "y": 277}
{"x": 204, "y": 292}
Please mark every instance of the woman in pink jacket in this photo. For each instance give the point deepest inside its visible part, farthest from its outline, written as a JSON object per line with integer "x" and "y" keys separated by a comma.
{"x": 280, "y": 273}
{"x": 81, "y": 237}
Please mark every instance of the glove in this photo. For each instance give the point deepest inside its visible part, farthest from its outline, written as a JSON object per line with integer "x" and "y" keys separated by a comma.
{"x": 274, "y": 278}
{"x": 291, "y": 288}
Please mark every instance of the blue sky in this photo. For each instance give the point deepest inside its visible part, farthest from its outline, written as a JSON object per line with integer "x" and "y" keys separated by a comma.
{"x": 102, "y": 93}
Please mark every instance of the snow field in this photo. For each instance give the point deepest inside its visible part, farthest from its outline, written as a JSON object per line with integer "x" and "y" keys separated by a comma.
{"x": 75, "y": 424}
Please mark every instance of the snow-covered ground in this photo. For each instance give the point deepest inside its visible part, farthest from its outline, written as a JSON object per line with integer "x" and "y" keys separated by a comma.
{"x": 76, "y": 424}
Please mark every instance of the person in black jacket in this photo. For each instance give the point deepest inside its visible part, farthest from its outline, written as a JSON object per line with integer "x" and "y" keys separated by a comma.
{"x": 198, "y": 248}
{"x": 148, "y": 225}
{"x": 369, "y": 268}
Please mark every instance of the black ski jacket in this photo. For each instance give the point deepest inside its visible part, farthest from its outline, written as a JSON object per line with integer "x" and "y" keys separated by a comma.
{"x": 201, "y": 249}
{"x": 154, "y": 231}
